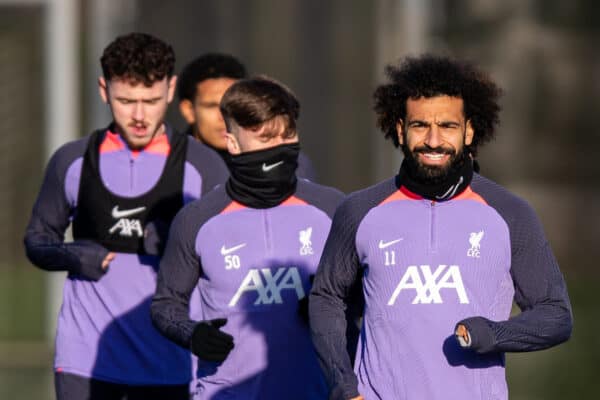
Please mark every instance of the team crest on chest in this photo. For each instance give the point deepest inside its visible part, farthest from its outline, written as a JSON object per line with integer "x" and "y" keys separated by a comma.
{"x": 475, "y": 241}
{"x": 305, "y": 241}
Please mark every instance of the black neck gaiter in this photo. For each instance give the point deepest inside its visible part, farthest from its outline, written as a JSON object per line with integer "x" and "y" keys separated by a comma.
{"x": 263, "y": 178}
{"x": 456, "y": 181}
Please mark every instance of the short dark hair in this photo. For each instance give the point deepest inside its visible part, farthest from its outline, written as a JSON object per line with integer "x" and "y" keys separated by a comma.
{"x": 138, "y": 57}
{"x": 251, "y": 103}
{"x": 207, "y": 66}
{"x": 430, "y": 76}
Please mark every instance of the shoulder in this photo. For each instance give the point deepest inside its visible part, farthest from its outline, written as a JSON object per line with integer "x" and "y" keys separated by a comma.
{"x": 198, "y": 212}
{"x": 323, "y": 197}
{"x": 203, "y": 156}
{"x": 522, "y": 221}
{"x": 357, "y": 204}
{"x": 208, "y": 164}
{"x": 66, "y": 155}
{"x": 508, "y": 204}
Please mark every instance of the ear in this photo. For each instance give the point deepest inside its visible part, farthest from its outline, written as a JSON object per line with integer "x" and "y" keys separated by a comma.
{"x": 186, "y": 108}
{"x": 469, "y": 133}
{"x": 233, "y": 145}
{"x": 172, "y": 86}
{"x": 103, "y": 89}
{"x": 400, "y": 131}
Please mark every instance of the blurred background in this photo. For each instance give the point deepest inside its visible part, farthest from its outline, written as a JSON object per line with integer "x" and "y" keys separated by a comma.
{"x": 544, "y": 53}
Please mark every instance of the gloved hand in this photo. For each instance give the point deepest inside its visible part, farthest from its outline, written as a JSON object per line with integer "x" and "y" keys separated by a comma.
{"x": 210, "y": 343}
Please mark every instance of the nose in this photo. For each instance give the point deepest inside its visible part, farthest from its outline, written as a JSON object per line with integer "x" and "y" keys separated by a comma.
{"x": 433, "y": 138}
{"x": 138, "y": 111}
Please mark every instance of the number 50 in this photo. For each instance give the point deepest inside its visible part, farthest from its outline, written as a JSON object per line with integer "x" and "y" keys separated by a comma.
{"x": 232, "y": 262}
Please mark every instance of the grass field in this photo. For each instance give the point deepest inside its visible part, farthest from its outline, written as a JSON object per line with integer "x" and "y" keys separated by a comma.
{"x": 566, "y": 372}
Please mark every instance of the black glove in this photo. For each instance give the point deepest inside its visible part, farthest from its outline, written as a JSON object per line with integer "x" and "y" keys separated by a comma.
{"x": 209, "y": 343}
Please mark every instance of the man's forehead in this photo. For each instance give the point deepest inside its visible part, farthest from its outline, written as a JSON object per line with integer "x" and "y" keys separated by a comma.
{"x": 135, "y": 83}
{"x": 132, "y": 86}
{"x": 429, "y": 107}
{"x": 213, "y": 87}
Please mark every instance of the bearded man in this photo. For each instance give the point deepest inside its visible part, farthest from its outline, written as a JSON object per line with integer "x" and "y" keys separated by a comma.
{"x": 440, "y": 251}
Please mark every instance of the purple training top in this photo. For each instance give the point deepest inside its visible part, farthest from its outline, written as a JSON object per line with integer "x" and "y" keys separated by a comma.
{"x": 426, "y": 266}
{"x": 104, "y": 329}
{"x": 252, "y": 266}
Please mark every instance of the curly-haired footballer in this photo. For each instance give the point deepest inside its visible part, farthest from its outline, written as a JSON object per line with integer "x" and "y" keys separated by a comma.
{"x": 119, "y": 188}
{"x": 441, "y": 253}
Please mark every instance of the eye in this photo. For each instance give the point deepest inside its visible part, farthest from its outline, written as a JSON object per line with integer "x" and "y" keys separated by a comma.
{"x": 449, "y": 125}
{"x": 417, "y": 125}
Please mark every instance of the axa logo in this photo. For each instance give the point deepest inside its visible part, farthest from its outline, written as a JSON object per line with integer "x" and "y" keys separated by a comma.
{"x": 305, "y": 241}
{"x": 268, "y": 286}
{"x": 427, "y": 284}
{"x": 127, "y": 226}
{"x": 475, "y": 241}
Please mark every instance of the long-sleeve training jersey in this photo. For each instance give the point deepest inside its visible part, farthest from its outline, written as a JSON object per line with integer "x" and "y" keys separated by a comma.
{"x": 426, "y": 266}
{"x": 104, "y": 329}
{"x": 252, "y": 266}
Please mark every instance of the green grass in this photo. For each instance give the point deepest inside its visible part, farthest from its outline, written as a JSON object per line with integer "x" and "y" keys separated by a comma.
{"x": 570, "y": 370}
{"x": 22, "y": 295}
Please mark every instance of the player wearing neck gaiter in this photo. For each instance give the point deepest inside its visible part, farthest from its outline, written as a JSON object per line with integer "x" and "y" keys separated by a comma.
{"x": 441, "y": 253}
{"x": 250, "y": 246}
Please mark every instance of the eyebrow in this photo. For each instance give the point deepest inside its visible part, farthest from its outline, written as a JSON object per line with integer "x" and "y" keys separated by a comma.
{"x": 135, "y": 100}
{"x": 423, "y": 122}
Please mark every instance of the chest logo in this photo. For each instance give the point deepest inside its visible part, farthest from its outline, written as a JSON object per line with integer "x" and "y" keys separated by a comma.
{"x": 116, "y": 213}
{"x": 127, "y": 226}
{"x": 305, "y": 242}
{"x": 427, "y": 284}
{"x": 268, "y": 286}
{"x": 225, "y": 250}
{"x": 475, "y": 241}
{"x": 383, "y": 245}
{"x": 232, "y": 261}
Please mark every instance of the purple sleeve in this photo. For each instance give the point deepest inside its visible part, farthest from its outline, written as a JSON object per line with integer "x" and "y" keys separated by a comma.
{"x": 50, "y": 217}
{"x": 180, "y": 269}
{"x": 540, "y": 291}
{"x": 334, "y": 289}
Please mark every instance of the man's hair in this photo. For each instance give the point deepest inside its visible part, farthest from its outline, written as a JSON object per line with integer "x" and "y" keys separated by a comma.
{"x": 207, "y": 66}
{"x": 254, "y": 102}
{"x": 138, "y": 57}
{"x": 430, "y": 76}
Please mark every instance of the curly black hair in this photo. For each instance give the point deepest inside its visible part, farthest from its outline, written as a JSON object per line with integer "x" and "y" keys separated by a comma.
{"x": 207, "y": 66}
{"x": 138, "y": 57}
{"x": 430, "y": 76}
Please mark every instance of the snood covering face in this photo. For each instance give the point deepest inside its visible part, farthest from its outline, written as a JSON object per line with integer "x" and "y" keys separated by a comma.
{"x": 263, "y": 178}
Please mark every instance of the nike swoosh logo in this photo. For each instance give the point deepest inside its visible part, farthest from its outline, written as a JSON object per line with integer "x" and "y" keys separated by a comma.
{"x": 383, "y": 245}
{"x": 116, "y": 213}
{"x": 267, "y": 168}
{"x": 225, "y": 250}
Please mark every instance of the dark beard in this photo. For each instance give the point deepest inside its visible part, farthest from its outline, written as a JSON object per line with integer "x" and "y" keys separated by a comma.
{"x": 433, "y": 175}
